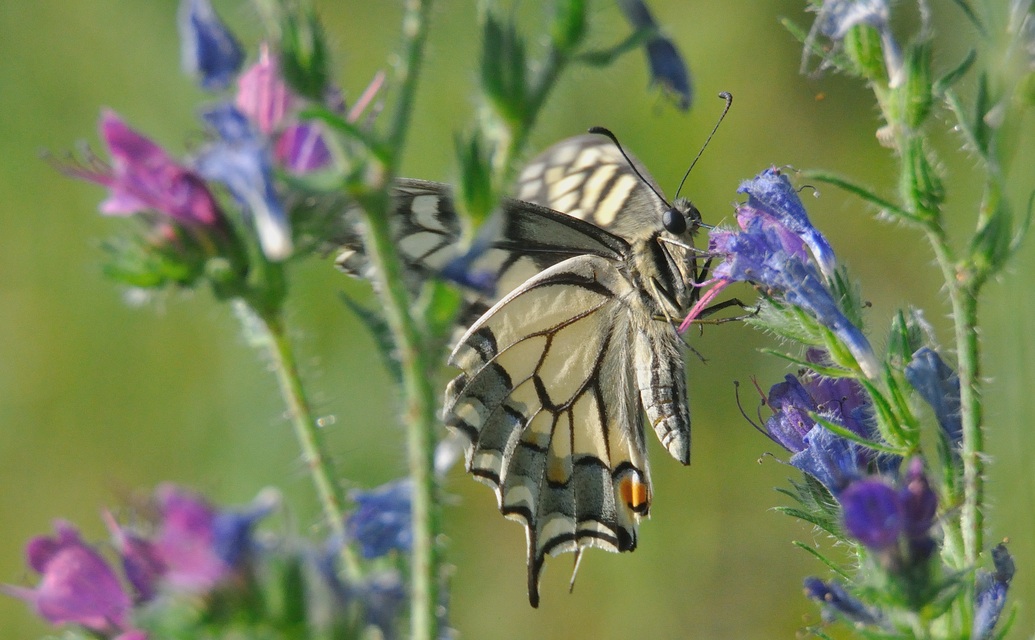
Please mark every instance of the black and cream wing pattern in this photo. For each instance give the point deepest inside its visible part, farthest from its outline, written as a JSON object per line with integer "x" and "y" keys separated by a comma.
{"x": 592, "y": 272}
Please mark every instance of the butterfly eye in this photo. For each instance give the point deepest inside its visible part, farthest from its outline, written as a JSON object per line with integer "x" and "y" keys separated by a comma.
{"x": 673, "y": 221}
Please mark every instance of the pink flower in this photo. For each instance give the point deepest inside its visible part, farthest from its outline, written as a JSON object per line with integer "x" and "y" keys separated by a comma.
{"x": 77, "y": 584}
{"x": 143, "y": 177}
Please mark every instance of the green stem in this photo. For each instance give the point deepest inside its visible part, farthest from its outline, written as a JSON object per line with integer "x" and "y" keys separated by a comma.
{"x": 310, "y": 437}
{"x": 419, "y": 416}
{"x": 963, "y": 299}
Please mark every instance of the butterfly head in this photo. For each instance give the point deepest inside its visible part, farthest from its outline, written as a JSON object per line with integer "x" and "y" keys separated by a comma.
{"x": 681, "y": 217}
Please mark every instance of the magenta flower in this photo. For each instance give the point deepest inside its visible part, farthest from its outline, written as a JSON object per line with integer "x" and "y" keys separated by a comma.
{"x": 199, "y": 546}
{"x": 143, "y": 177}
{"x": 266, "y": 100}
{"x": 77, "y": 586}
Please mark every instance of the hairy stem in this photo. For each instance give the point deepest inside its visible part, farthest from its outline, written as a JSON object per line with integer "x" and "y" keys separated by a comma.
{"x": 419, "y": 414}
{"x": 310, "y": 437}
{"x": 963, "y": 297}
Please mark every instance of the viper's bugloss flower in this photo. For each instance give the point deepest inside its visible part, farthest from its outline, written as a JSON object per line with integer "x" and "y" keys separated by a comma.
{"x": 837, "y": 17}
{"x": 77, "y": 586}
{"x": 939, "y": 386}
{"x": 772, "y": 196}
{"x": 141, "y": 561}
{"x": 990, "y": 593}
{"x": 872, "y": 513}
{"x": 384, "y": 599}
{"x": 769, "y": 251}
{"x": 839, "y": 603}
{"x": 831, "y": 459}
{"x": 143, "y": 177}
{"x": 262, "y": 94}
{"x": 240, "y": 160}
{"x": 381, "y": 522}
{"x": 200, "y": 546}
{"x": 266, "y": 99}
{"x": 892, "y": 518}
{"x": 666, "y": 64}
{"x": 208, "y": 50}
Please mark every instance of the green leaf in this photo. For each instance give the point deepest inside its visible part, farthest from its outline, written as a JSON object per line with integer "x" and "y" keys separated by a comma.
{"x": 478, "y": 198}
{"x": 833, "y": 566}
{"x": 944, "y": 83}
{"x": 504, "y": 69}
{"x": 303, "y": 55}
{"x": 848, "y": 434}
{"x": 817, "y": 521}
{"x": 920, "y": 185}
{"x": 886, "y": 206}
{"x": 569, "y": 25}
{"x": 918, "y": 83}
{"x": 862, "y": 45}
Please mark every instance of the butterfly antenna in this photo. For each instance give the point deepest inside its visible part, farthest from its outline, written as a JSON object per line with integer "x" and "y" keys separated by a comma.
{"x": 607, "y": 132}
{"x": 728, "y": 97}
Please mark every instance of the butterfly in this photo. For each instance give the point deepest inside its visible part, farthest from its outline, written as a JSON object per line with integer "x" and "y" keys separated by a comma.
{"x": 592, "y": 271}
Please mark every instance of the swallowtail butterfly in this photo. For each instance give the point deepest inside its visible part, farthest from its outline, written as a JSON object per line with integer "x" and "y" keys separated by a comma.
{"x": 593, "y": 271}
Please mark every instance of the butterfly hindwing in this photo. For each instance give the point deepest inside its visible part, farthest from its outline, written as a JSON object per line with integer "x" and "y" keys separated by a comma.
{"x": 550, "y": 408}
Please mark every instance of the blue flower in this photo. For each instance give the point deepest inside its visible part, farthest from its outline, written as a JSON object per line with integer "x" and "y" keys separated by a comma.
{"x": 838, "y": 602}
{"x": 208, "y": 50}
{"x": 241, "y": 161}
{"x": 831, "y": 459}
{"x": 837, "y": 17}
{"x": 381, "y": 522}
{"x": 791, "y": 404}
{"x": 769, "y": 250}
{"x": 771, "y": 194}
{"x": 666, "y": 64}
{"x": 990, "y": 593}
{"x": 939, "y": 386}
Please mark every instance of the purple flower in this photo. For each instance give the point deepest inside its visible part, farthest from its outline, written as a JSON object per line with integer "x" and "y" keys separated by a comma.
{"x": 381, "y": 522}
{"x": 838, "y": 602}
{"x": 939, "y": 386}
{"x": 769, "y": 251}
{"x": 143, "y": 177}
{"x": 881, "y": 516}
{"x": 872, "y": 513}
{"x": 208, "y": 50}
{"x": 265, "y": 98}
{"x": 831, "y": 459}
{"x": 790, "y": 422}
{"x": 77, "y": 585}
{"x": 771, "y": 195}
{"x": 241, "y": 161}
{"x": 199, "y": 546}
{"x": 990, "y": 593}
{"x": 666, "y": 64}
{"x": 141, "y": 561}
{"x": 302, "y": 148}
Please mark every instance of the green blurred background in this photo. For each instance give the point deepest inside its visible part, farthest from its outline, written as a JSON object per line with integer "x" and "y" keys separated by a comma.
{"x": 99, "y": 397}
